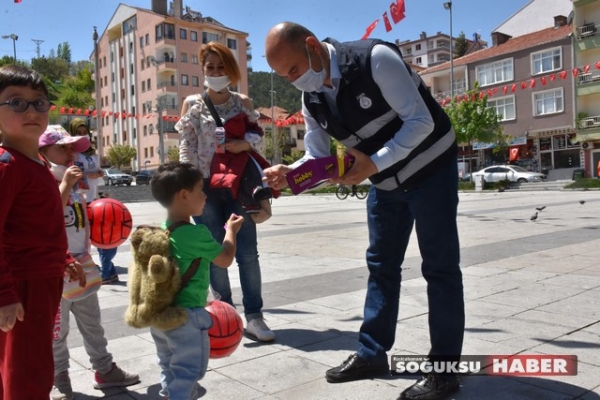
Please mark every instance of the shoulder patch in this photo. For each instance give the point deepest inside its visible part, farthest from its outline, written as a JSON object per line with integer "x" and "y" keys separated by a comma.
{"x": 5, "y": 156}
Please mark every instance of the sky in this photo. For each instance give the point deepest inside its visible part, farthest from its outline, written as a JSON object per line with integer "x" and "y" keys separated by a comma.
{"x": 57, "y": 21}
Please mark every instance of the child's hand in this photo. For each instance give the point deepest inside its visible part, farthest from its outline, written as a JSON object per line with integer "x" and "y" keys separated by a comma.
{"x": 75, "y": 273}
{"x": 72, "y": 175}
{"x": 95, "y": 174}
{"x": 235, "y": 223}
{"x": 10, "y": 314}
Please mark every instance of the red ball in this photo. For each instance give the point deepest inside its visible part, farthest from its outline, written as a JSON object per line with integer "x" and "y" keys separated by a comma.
{"x": 110, "y": 223}
{"x": 227, "y": 330}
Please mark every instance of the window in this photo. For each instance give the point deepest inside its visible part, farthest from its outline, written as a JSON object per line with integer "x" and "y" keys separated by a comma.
{"x": 148, "y": 84}
{"x": 194, "y": 59}
{"x": 146, "y": 152}
{"x": 141, "y": 42}
{"x": 143, "y": 86}
{"x": 209, "y": 37}
{"x": 184, "y": 57}
{"x": 195, "y": 81}
{"x": 159, "y": 32}
{"x": 546, "y": 61}
{"x": 419, "y": 60}
{"x": 134, "y": 134}
{"x": 193, "y": 36}
{"x": 143, "y": 63}
{"x": 417, "y": 47}
{"x": 300, "y": 133}
{"x": 147, "y": 37}
{"x": 124, "y": 137}
{"x": 184, "y": 80}
{"x": 112, "y": 76}
{"x": 489, "y": 74}
{"x": 131, "y": 68}
{"x": 145, "y": 130}
{"x": 169, "y": 31}
{"x": 183, "y": 34}
{"x": 133, "y": 90}
{"x": 505, "y": 107}
{"x": 548, "y": 102}
{"x": 232, "y": 44}
{"x": 151, "y": 151}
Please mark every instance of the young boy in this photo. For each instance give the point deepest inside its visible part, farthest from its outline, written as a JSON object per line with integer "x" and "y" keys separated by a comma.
{"x": 183, "y": 351}
{"x": 33, "y": 246}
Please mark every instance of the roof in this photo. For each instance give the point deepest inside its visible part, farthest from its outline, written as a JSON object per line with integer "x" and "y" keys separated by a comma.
{"x": 512, "y": 45}
{"x": 278, "y": 113}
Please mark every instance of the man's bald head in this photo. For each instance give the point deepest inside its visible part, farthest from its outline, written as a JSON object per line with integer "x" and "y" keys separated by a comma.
{"x": 287, "y": 34}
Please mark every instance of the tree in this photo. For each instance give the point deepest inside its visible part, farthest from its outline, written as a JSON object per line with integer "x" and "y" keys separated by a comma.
{"x": 64, "y": 52}
{"x": 285, "y": 95}
{"x": 461, "y": 45}
{"x": 473, "y": 120}
{"x": 119, "y": 155}
{"x": 53, "y": 68}
{"x": 173, "y": 154}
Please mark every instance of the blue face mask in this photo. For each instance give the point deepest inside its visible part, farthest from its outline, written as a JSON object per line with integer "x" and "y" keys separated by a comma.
{"x": 311, "y": 81}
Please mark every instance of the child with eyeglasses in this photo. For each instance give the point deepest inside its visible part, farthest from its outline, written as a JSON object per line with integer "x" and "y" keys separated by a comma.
{"x": 33, "y": 245}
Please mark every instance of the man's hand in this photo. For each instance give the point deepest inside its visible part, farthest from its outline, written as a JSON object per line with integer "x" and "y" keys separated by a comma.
{"x": 275, "y": 176}
{"x": 75, "y": 273}
{"x": 72, "y": 175}
{"x": 362, "y": 168}
{"x": 10, "y": 314}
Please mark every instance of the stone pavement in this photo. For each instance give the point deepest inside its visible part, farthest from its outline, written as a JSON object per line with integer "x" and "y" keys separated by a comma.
{"x": 530, "y": 287}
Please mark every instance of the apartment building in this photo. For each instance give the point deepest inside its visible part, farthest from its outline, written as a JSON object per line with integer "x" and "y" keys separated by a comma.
{"x": 147, "y": 65}
{"x": 529, "y": 81}
{"x": 586, "y": 46}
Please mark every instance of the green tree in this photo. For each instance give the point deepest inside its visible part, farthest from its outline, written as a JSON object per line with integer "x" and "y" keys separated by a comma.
{"x": 461, "y": 45}
{"x": 120, "y": 155}
{"x": 55, "y": 69}
{"x": 64, "y": 52}
{"x": 473, "y": 120}
{"x": 173, "y": 154}
{"x": 285, "y": 95}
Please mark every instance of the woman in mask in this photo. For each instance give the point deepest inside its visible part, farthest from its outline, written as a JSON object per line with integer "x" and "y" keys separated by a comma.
{"x": 200, "y": 131}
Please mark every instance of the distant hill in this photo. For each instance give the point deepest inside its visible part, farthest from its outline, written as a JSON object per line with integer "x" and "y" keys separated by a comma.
{"x": 285, "y": 94}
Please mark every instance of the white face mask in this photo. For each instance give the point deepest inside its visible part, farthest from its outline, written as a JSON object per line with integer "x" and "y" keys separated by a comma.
{"x": 311, "y": 81}
{"x": 217, "y": 83}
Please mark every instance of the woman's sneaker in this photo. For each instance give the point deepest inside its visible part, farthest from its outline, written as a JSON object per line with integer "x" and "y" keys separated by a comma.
{"x": 116, "y": 377}
{"x": 257, "y": 328}
{"x": 62, "y": 389}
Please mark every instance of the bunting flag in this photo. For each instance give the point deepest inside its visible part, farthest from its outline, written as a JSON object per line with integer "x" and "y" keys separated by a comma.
{"x": 370, "y": 29}
{"x": 17, "y": 1}
{"x": 397, "y": 10}
{"x": 386, "y": 21}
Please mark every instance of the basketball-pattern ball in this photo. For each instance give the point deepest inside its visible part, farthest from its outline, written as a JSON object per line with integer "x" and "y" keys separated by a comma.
{"x": 227, "y": 330}
{"x": 110, "y": 223}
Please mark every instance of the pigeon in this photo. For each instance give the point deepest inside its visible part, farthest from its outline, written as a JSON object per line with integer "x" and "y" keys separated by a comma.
{"x": 581, "y": 201}
{"x": 534, "y": 216}
{"x": 540, "y": 209}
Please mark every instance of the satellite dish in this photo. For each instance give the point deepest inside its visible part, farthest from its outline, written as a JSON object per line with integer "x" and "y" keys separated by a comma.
{"x": 570, "y": 18}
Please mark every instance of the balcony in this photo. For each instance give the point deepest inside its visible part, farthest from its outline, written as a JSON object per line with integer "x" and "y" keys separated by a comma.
{"x": 586, "y": 30}
{"x": 166, "y": 64}
{"x": 168, "y": 86}
{"x": 588, "y": 84}
{"x": 587, "y": 37}
{"x": 588, "y": 129}
{"x": 445, "y": 95}
{"x": 589, "y": 122}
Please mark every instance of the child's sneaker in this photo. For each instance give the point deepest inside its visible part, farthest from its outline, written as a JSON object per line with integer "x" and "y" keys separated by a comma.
{"x": 116, "y": 377}
{"x": 62, "y": 389}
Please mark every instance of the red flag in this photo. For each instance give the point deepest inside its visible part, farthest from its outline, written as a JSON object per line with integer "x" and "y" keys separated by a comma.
{"x": 586, "y": 69}
{"x": 481, "y": 95}
{"x": 443, "y": 102}
{"x": 78, "y": 112}
{"x": 513, "y": 88}
{"x": 575, "y": 72}
{"x": 523, "y": 85}
{"x": 386, "y": 21}
{"x": 598, "y": 65}
{"x": 466, "y": 97}
{"x": 490, "y": 93}
{"x": 514, "y": 153}
{"x": 370, "y": 29}
{"x": 397, "y": 10}
{"x": 552, "y": 77}
{"x": 532, "y": 83}
{"x": 505, "y": 89}
{"x": 17, "y": 1}
{"x": 543, "y": 80}
{"x": 563, "y": 74}
{"x": 52, "y": 107}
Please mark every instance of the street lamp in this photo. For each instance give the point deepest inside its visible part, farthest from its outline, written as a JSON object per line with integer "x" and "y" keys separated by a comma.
{"x": 448, "y": 6}
{"x": 14, "y": 39}
{"x": 161, "y": 140}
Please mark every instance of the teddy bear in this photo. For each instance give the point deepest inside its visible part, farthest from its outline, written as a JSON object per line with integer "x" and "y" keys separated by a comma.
{"x": 154, "y": 281}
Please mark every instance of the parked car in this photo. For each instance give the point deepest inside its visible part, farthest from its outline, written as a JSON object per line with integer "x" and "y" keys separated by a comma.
{"x": 513, "y": 173}
{"x": 113, "y": 176}
{"x": 143, "y": 177}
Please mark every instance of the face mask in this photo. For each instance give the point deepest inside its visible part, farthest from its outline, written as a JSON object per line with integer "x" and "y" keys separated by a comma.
{"x": 217, "y": 83}
{"x": 311, "y": 81}
{"x": 58, "y": 171}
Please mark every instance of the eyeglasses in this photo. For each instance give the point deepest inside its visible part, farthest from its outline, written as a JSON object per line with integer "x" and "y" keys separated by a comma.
{"x": 21, "y": 105}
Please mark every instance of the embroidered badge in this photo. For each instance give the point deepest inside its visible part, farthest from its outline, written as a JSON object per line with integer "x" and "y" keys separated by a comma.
{"x": 364, "y": 101}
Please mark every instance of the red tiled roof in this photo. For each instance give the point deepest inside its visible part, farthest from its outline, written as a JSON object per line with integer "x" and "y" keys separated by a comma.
{"x": 512, "y": 45}
{"x": 278, "y": 113}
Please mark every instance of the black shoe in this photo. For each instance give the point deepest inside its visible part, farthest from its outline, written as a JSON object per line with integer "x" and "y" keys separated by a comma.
{"x": 355, "y": 368}
{"x": 431, "y": 387}
{"x": 261, "y": 193}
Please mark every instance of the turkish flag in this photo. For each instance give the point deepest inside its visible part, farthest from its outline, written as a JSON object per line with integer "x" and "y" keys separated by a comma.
{"x": 386, "y": 21}
{"x": 598, "y": 65}
{"x": 505, "y": 89}
{"x": 563, "y": 75}
{"x": 17, "y": 1}
{"x": 586, "y": 69}
{"x": 523, "y": 85}
{"x": 397, "y": 10}
{"x": 543, "y": 80}
{"x": 575, "y": 72}
{"x": 513, "y": 88}
{"x": 532, "y": 83}
{"x": 370, "y": 29}
{"x": 514, "y": 154}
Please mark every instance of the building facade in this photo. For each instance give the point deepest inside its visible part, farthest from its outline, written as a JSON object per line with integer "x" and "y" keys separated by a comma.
{"x": 586, "y": 46}
{"x": 529, "y": 81}
{"x": 147, "y": 65}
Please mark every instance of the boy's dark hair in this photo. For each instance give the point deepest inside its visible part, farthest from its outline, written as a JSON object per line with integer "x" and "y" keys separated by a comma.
{"x": 171, "y": 178}
{"x": 16, "y": 75}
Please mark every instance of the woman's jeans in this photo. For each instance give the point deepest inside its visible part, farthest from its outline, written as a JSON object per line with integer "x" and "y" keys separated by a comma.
{"x": 219, "y": 207}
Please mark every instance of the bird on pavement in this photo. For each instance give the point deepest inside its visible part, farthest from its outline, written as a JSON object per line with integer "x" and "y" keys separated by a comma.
{"x": 581, "y": 201}
{"x": 540, "y": 209}
{"x": 534, "y": 216}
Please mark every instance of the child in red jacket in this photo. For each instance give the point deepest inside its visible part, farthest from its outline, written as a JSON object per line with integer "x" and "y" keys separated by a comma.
{"x": 33, "y": 246}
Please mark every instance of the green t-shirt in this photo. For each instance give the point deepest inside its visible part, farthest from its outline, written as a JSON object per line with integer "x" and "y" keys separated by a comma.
{"x": 189, "y": 242}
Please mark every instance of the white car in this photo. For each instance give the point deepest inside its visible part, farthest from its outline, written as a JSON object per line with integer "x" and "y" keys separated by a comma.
{"x": 513, "y": 173}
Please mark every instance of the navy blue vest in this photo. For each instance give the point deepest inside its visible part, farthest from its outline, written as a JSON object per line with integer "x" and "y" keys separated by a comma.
{"x": 361, "y": 105}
